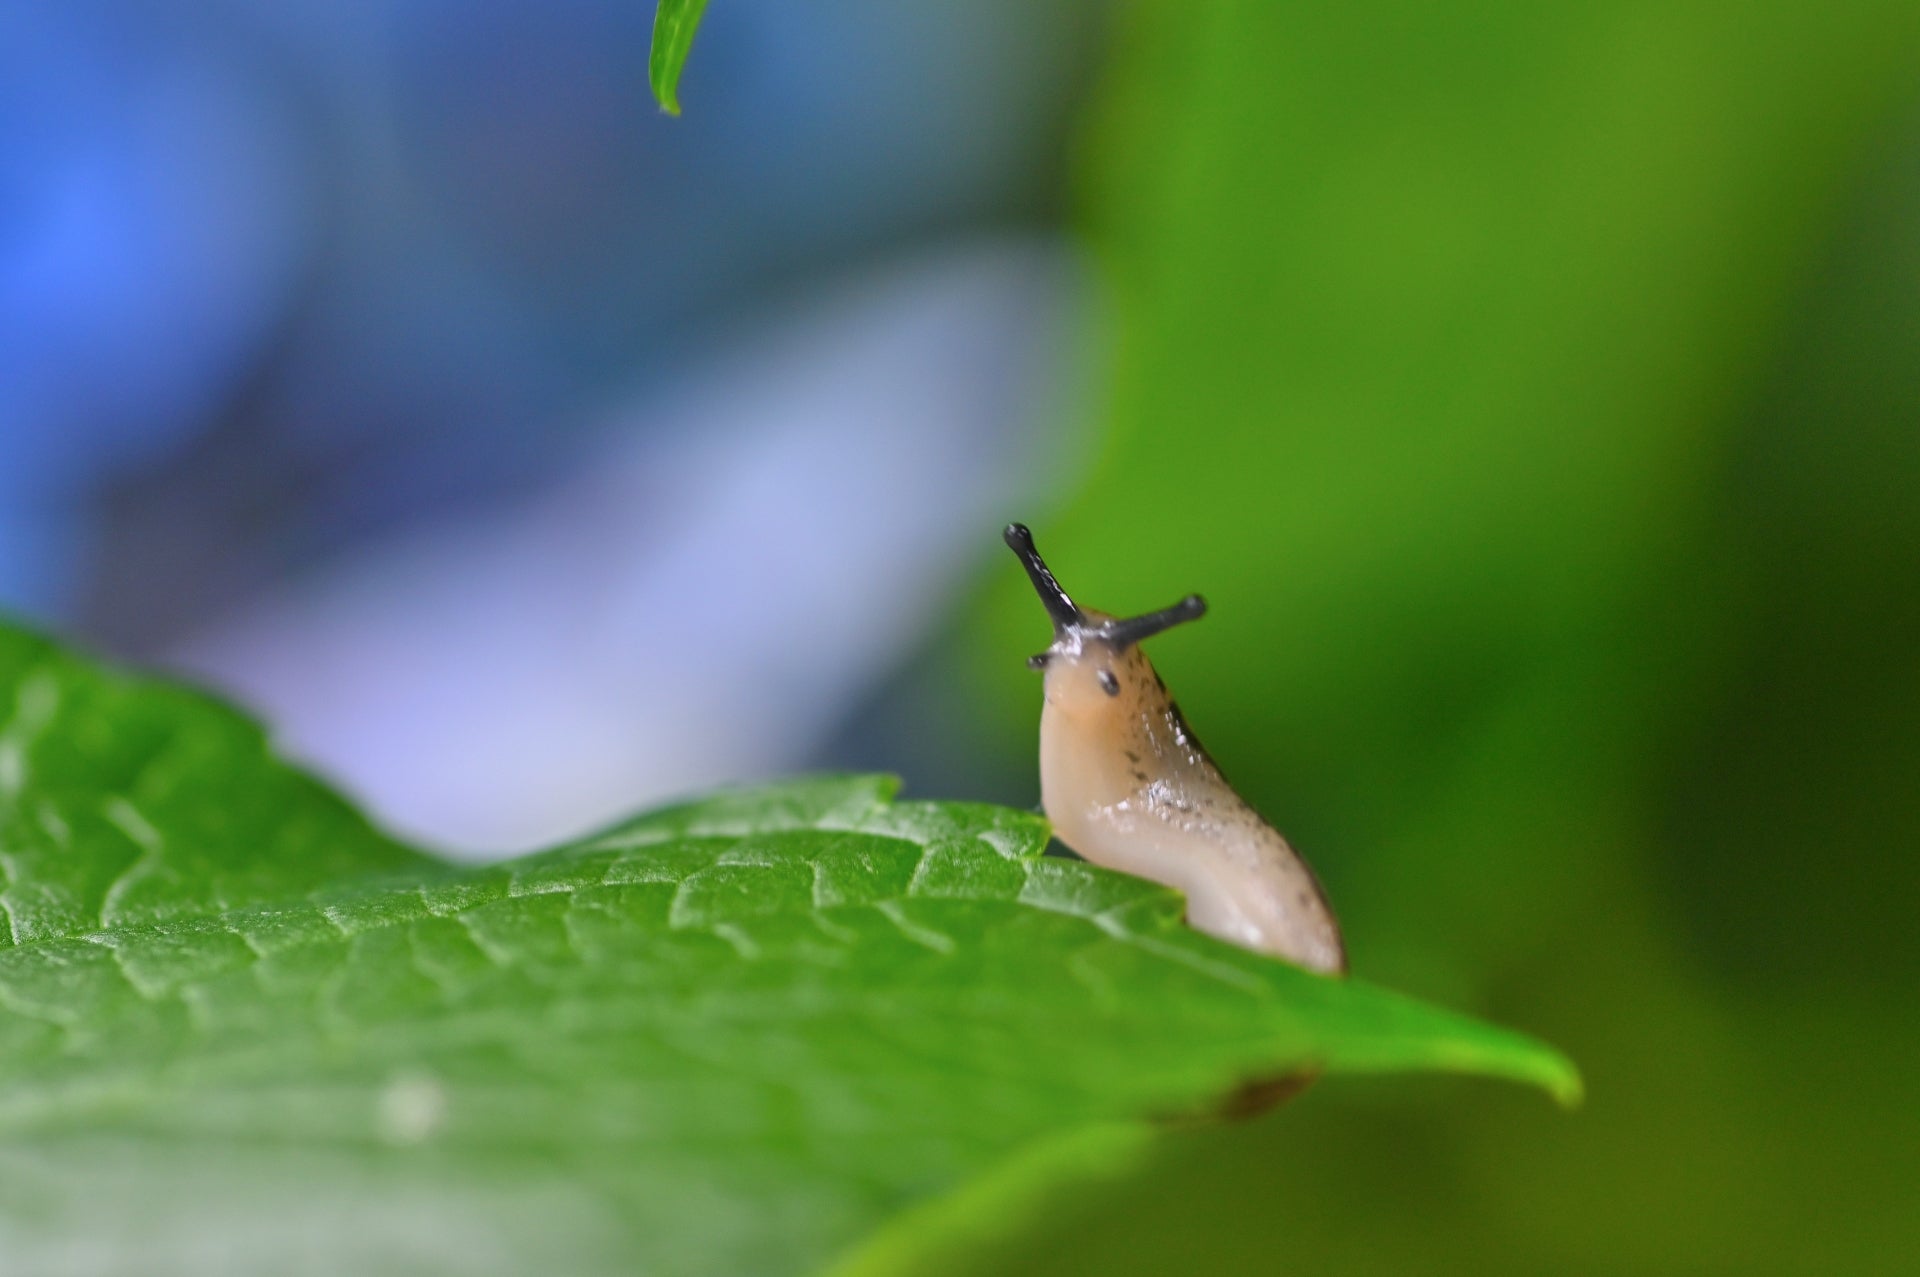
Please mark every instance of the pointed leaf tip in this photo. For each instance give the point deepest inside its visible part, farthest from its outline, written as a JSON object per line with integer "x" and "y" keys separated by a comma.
{"x": 674, "y": 25}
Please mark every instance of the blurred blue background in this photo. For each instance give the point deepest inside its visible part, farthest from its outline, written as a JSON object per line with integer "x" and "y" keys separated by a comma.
{"x": 520, "y": 453}
{"x": 1533, "y": 392}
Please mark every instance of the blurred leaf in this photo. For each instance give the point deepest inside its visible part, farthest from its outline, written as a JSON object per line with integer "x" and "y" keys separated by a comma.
{"x": 674, "y": 25}
{"x": 1809, "y": 731}
{"x": 729, "y": 1036}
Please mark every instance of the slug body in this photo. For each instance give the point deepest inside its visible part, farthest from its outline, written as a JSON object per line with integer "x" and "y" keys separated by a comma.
{"x": 1127, "y": 785}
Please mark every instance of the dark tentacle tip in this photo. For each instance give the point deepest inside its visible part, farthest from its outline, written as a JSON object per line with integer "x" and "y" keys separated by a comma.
{"x": 1125, "y": 633}
{"x": 1060, "y": 608}
{"x": 1038, "y": 661}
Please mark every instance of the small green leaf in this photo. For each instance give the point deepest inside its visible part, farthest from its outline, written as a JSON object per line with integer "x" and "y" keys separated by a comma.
{"x": 674, "y": 24}
{"x": 737, "y": 1035}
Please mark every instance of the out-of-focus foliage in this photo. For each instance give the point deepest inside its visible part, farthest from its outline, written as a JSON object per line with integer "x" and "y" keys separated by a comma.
{"x": 1532, "y": 390}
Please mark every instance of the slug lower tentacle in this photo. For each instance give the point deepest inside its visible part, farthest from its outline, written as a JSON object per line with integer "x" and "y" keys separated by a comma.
{"x": 1127, "y": 785}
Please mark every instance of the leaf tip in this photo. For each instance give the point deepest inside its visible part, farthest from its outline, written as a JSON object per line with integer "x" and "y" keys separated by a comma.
{"x": 1553, "y": 1073}
{"x": 1568, "y": 1088}
{"x": 665, "y": 83}
{"x": 674, "y": 24}
{"x": 1513, "y": 1056}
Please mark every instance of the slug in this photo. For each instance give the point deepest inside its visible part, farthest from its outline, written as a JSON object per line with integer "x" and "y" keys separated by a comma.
{"x": 1127, "y": 785}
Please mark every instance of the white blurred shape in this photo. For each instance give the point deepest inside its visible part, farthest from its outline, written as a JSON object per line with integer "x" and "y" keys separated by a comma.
{"x": 702, "y": 600}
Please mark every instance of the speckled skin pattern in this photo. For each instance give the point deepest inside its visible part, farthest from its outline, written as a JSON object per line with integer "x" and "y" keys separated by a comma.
{"x": 1127, "y": 785}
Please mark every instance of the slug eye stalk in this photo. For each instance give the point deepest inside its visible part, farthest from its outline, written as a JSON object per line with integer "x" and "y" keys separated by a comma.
{"x": 1060, "y": 608}
{"x": 1124, "y": 634}
{"x": 1067, "y": 616}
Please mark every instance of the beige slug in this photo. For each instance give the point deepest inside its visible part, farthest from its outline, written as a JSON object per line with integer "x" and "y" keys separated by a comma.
{"x": 1127, "y": 785}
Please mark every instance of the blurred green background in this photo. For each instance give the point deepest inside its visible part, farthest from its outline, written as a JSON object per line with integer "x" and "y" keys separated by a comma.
{"x": 1534, "y": 392}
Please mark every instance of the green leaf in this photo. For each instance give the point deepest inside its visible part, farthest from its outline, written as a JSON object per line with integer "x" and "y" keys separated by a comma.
{"x": 736, "y": 1035}
{"x": 674, "y": 25}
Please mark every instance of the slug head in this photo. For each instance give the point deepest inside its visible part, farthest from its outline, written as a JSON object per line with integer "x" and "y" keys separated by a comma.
{"x": 1094, "y": 665}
